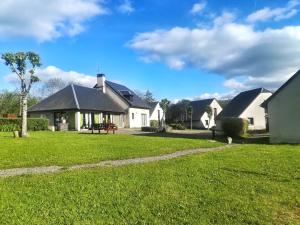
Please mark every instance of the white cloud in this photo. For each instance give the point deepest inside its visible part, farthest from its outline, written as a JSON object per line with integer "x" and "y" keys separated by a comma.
{"x": 230, "y": 49}
{"x": 126, "y": 7}
{"x": 46, "y": 20}
{"x": 226, "y": 17}
{"x": 53, "y": 72}
{"x": 276, "y": 14}
{"x": 234, "y": 84}
{"x": 198, "y": 7}
{"x": 207, "y": 95}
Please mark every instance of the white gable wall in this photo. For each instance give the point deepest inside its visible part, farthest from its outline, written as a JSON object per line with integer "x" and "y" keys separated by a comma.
{"x": 214, "y": 104}
{"x": 284, "y": 114}
{"x": 257, "y": 112}
{"x": 154, "y": 115}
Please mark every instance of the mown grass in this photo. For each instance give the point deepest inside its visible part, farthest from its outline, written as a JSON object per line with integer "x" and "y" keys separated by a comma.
{"x": 248, "y": 184}
{"x": 55, "y": 148}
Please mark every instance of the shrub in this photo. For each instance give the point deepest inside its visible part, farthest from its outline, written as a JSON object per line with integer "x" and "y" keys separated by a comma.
{"x": 35, "y": 124}
{"x": 235, "y": 127}
{"x": 155, "y": 129}
{"x": 154, "y": 123}
{"x": 177, "y": 126}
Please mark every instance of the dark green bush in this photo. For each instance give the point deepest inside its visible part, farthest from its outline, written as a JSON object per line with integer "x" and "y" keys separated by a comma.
{"x": 154, "y": 123}
{"x": 177, "y": 126}
{"x": 37, "y": 124}
{"x": 34, "y": 124}
{"x": 155, "y": 129}
{"x": 235, "y": 127}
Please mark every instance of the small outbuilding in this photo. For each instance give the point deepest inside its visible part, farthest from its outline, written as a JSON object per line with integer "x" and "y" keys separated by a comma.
{"x": 200, "y": 117}
{"x": 284, "y": 112}
{"x": 247, "y": 105}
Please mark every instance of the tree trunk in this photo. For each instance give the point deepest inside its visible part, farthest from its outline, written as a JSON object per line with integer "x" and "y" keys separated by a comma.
{"x": 20, "y": 105}
{"x": 24, "y": 115}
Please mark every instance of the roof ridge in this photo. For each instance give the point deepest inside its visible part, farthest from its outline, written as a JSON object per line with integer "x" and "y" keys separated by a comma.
{"x": 75, "y": 96}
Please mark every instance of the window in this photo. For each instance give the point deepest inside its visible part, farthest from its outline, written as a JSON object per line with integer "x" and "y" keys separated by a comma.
{"x": 215, "y": 112}
{"x": 206, "y": 122}
{"x": 132, "y": 116}
{"x": 251, "y": 121}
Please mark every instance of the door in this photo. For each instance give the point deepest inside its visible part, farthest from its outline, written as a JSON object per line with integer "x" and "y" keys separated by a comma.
{"x": 144, "y": 120}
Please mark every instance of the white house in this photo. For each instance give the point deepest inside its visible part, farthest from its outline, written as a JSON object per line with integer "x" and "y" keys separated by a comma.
{"x": 200, "y": 118}
{"x": 247, "y": 105}
{"x": 284, "y": 111}
{"x": 156, "y": 112}
{"x": 81, "y": 107}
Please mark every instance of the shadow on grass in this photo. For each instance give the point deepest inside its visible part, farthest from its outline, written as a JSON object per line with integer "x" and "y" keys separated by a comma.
{"x": 256, "y": 139}
{"x": 251, "y": 139}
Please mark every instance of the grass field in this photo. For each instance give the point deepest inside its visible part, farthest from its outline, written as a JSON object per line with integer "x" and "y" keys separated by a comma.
{"x": 248, "y": 184}
{"x": 54, "y": 148}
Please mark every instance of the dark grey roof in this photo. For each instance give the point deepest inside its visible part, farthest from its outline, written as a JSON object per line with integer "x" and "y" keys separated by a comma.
{"x": 199, "y": 107}
{"x": 135, "y": 100}
{"x": 240, "y": 102}
{"x": 75, "y": 97}
{"x": 281, "y": 88}
{"x": 152, "y": 106}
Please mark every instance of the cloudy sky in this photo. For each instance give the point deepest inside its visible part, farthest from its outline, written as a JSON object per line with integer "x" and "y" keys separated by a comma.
{"x": 176, "y": 49}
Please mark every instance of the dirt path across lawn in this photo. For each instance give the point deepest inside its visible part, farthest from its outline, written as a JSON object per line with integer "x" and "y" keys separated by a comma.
{"x": 108, "y": 163}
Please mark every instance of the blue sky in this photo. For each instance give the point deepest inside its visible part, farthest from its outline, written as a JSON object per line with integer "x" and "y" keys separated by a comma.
{"x": 176, "y": 49}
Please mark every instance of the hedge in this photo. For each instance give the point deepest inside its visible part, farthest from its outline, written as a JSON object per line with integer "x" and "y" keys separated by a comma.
{"x": 235, "y": 127}
{"x": 177, "y": 126}
{"x": 156, "y": 129}
{"x": 34, "y": 124}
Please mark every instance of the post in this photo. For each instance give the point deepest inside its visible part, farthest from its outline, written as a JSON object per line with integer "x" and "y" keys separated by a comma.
{"x": 77, "y": 121}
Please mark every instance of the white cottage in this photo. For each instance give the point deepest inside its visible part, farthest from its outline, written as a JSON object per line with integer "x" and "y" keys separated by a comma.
{"x": 156, "y": 112}
{"x": 284, "y": 111}
{"x": 81, "y": 107}
{"x": 247, "y": 105}
{"x": 200, "y": 117}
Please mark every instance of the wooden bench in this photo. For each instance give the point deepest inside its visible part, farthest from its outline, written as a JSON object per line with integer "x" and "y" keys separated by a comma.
{"x": 104, "y": 126}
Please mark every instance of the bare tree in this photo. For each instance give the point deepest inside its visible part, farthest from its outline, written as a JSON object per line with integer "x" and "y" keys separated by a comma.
{"x": 52, "y": 86}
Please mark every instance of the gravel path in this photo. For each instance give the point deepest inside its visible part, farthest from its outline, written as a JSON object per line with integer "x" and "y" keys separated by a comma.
{"x": 108, "y": 163}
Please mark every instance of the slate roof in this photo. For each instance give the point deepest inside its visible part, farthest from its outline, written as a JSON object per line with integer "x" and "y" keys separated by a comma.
{"x": 240, "y": 102}
{"x": 199, "y": 107}
{"x": 135, "y": 100}
{"x": 75, "y": 97}
{"x": 152, "y": 106}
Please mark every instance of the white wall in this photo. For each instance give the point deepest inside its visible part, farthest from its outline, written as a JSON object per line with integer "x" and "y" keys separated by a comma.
{"x": 154, "y": 115}
{"x": 205, "y": 117}
{"x": 257, "y": 112}
{"x": 137, "y": 121}
{"x": 284, "y": 114}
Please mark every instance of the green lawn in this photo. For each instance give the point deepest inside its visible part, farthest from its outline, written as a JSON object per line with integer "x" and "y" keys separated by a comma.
{"x": 248, "y": 184}
{"x": 55, "y": 148}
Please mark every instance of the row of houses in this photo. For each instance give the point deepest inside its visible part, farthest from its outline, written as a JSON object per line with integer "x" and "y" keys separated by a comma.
{"x": 278, "y": 112}
{"x": 81, "y": 107}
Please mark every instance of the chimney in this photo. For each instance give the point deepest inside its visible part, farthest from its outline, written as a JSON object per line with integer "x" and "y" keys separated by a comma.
{"x": 101, "y": 82}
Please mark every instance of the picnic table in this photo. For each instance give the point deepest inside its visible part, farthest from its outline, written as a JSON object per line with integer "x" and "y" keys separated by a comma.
{"x": 104, "y": 126}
